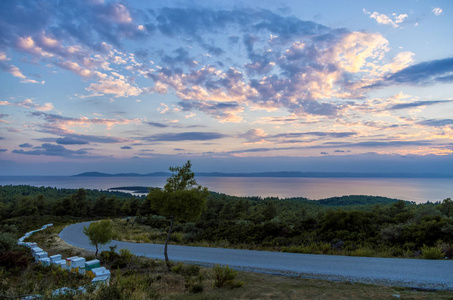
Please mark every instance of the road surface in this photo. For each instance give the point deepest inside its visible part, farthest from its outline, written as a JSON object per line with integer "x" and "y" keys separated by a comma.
{"x": 414, "y": 273}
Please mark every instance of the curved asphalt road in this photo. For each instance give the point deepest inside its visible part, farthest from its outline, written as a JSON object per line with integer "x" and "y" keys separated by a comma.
{"x": 414, "y": 273}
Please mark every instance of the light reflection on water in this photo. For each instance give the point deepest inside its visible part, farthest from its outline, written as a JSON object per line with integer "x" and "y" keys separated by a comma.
{"x": 412, "y": 189}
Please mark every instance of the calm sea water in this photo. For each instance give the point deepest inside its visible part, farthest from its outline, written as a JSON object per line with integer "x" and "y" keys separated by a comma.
{"x": 413, "y": 189}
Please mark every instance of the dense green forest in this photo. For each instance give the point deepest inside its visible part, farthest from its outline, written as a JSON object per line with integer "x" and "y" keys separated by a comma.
{"x": 353, "y": 225}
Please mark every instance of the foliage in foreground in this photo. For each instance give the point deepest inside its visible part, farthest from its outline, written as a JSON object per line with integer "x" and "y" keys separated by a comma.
{"x": 99, "y": 233}
{"x": 349, "y": 225}
{"x": 226, "y": 277}
{"x": 182, "y": 199}
{"x": 141, "y": 278}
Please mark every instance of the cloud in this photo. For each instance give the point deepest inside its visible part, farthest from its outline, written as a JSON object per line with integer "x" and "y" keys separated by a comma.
{"x": 81, "y": 139}
{"x": 206, "y": 84}
{"x": 61, "y": 125}
{"x": 70, "y": 141}
{"x": 126, "y": 147}
{"x": 384, "y": 19}
{"x": 155, "y": 124}
{"x": 52, "y": 150}
{"x": 181, "y": 57}
{"x": 254, "y": 136}
{"x": 286, "y": 62}
{"x": 315, "y": 133}
{"x": 3, "y": 150}
{"x": 437, "y": 122}
{"x": 418, "y": 103}
{"x": 437, "y": 11}
{"x": 13, "y": 70}
{"x": 327, "y": 145}
{"x": 376, "y": 144}
{"x": 223, "y": 111}
{"x": 117, "y": 87}
{"x": 185, "y": 136}
{"x": 97, "y": 139}
{"x": 28, "y": 103}
{"x": 26, "y": 145}
{"x": 258, "y": 136}
{"x": 429, "y": 72}
{"x": 2, "y": 116}
{"x": 292, "y": 64}
{"x": 96, "y": 21}
{"x": 49, "y": 34}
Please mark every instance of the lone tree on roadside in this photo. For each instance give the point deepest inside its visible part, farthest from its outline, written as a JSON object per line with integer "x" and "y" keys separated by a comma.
{"x": 99, "y": 233}
{"x": 182, "y": 199}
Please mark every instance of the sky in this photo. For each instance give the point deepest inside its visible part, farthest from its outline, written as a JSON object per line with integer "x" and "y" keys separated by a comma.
{"x": 243, "y": 86}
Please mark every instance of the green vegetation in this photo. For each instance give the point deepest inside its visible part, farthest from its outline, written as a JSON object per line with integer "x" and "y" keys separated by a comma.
{"x": 386, "y": 227}
{"x": 141, "y": 278}
{"x": 99, "y": 233}
{"x": 181, "y": 200}
{"x": 226, "y": 277}
{"x": 349, "y": 225}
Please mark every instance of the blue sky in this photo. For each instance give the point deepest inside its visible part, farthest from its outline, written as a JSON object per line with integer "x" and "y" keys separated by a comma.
{"x": 138, "y": 86}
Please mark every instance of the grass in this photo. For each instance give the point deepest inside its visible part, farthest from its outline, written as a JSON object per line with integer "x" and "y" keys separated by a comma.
{"x": 144, "y": 278}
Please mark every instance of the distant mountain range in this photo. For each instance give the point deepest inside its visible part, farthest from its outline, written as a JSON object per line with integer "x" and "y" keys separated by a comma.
{"x": 278, "y": 174}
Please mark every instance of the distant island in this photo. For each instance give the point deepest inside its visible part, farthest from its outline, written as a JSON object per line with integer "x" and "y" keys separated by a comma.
{"x": 278, "y": 174}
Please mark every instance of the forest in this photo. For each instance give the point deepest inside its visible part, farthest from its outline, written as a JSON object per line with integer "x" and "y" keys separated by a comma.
{"x": 348, "y": 225}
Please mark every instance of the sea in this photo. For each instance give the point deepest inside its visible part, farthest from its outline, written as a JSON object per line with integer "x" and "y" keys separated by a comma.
{"x": 419, "y": 190}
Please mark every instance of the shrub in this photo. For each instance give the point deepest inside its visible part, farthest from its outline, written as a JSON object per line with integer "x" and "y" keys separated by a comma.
{"x": 109, "y": 256}
{"x": 111, "y": 291}
{"x": 449, "y": 252}
{"x": 177, "y": 237}
{"x": 194, "y": 284}
{"x": 10, "y": 260}
{"x": 225, "y": 277}
{"x": 155, "y": 221}
{"x": 119, "y": 263}
{"x": 193, "y": 277}
{"x": 363, "y": 252}
{"x": 432, "y": 252}
{"x": 325, "y": 248}
{"x": 7, "y": 242}
{"x": 126, "y": 255}
{"x": 313, "y": 248}
{"x": 186, "y": 270}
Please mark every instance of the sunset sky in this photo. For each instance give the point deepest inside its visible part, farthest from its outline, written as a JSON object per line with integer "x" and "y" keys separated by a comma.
{"x": 237, "y": 86}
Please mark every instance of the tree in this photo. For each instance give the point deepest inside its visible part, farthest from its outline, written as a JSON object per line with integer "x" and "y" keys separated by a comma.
{"x": 182, "y": 199}
{"x": 446, "y": 207}
{"x": 99, "y": 233}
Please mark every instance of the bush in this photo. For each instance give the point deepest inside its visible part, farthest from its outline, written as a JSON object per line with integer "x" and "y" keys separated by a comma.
{"x": 154, "y": 221}
{"x": 313, "y": 248}
{"x": 194, "y": 284}
{"x": 193, "y": 277}
{"x": 225, "y": 277}
{"x": 177, "y": 237}
{"x": 10, "y": 260}
{"x": 8, "y": 242}
{"x": 432, "y": 252}
{"x": 126, "y": 255}
{"x": 109, "y": 256}
{"x": 449, "y": 252}
{"x": 186, "y": 270}
{"x": 363, "y": 252}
